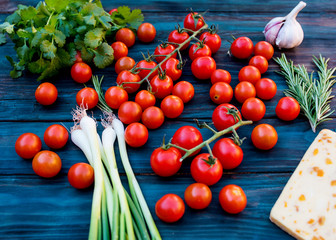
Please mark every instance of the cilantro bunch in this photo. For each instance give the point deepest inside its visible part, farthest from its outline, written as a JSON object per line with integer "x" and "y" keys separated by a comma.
{"x": 48, "y": 36}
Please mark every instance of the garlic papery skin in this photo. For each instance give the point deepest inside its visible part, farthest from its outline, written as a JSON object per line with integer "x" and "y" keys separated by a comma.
{"x": 285, "y": 32}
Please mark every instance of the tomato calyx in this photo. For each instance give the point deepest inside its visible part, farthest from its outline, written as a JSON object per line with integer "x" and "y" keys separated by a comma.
{"x": 213, "y": 29}
{"x": 210, "y": 161}
{"x": 234, "y": 112}
{"x": 197, "y": 16}
{"x": 179, "y": 29}
{"x": 200, "y": 45}
{"x": 236, "y": 139}
{"x": 149, "y": 58}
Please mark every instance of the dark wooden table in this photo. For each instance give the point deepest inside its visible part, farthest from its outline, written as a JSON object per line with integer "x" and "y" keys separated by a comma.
{"x": 36, "y": 208}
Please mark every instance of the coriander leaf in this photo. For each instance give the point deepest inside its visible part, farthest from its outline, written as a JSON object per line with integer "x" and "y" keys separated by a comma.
{"x": 58, "y": 5}
{"x": 59, "y": 38}
{"x": 17, "y": 67}
{"x": 124, "y": 16}
{"x": 13, "y": 18}
{"x": 22, "y": 52}
{"x": 104, "y": 56}
{"x": 24, "y": 34}
{"x": 135, "y": 18}
{"x": 3, "y": 39}
{"x": 28, "y": 13}
{"x": 86, "y": 55}
{"x": 88, "y": 8}
{"x": 38, "y": 66}
{"x": 81, "y": 29}
{"x": 52, "y": 69}
{"x": 7, "y": 27}
{"x": 90, "y": 20}
{"x": 36, "y": 39}
{"x": 106, "y": 21}
{"x": 94, "y": 37}
{"x": 48, "y": 49}
{"x": 65, "y": 57}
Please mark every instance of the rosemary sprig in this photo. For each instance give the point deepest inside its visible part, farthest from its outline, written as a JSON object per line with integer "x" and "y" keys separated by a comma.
{"x": 313, "y": 95}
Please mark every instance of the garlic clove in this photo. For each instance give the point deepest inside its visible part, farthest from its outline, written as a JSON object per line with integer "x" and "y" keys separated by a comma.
{"x": 271, "y": 31}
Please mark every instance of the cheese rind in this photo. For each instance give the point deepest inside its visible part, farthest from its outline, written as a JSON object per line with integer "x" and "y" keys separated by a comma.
{"x": 306, "y": 208}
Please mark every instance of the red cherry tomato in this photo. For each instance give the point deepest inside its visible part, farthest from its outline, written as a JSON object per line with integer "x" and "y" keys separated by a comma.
{"x": 81, "y": 72}
{"x": 259, "y": 62}
{"x": 129, "y": 112}
{"x": 164, "y": 49}
{"x": 222, "y": 119}
{"x": 146, "y": 32}
{"x": 203, "y": 67}
{"x": 253, "y": 109}
{"x": 242, "y": 47}
{"x": 264, "y": 136}
{"x": 144, "y": 72}
{"x": 88, "y": 97}
{"x": 166, "y": 162}
{"x": 213, "y": 40}
{"x": 115, "y": 96}
{"x": 127, "y": 76}
{"x": 162, "y": 86}
{"x": 170, "y": 208}
{"x": 56, "y": 136}
{"x": 266, "y": 88}
{"x": 249, "y": 74}
{"x": 172, "y": 106}
{"x": 113, "y": 10}
{"x": 152, "y": 117}
{"x": 220, "y": 75}
{"x": 120, "y": 50}
{"x": 81, "y": 175}
{"x": 47, "y": 164}
{"x": 124, "y": 63}
{"x": 173, "y": 68}
{"x": 244, "y": 90}
{"x": 189, "y": 21}
{"x": 28, "y": 145}
{"x": 46, "y": 94}
{"x": 287, "y": 109}
{"x": 178, "y": 36}
{"x": 199, "y": 50}
{"x": 232, "y": 199}
{"x": 228, "y": 153}
{"x": 187, "y": 137}
{"x": 205, "y": 169}
{"x": 184, "y": 90}
{"x": 198, "y": 196}
{"x": 265, "y": 49}
{"x": 136, "y": 134}
{"x": 145, "y": 99}
{"x": 126, "y": 36}
{"x": 221, "y": 92}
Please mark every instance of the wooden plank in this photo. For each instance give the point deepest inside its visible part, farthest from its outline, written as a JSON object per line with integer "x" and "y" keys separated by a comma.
{"x": 55, "y": 210}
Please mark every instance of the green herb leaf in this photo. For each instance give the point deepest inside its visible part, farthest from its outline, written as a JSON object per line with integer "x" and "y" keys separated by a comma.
{"x": 104, "y": 56}
{"x": 24, "y": 34}
{"x": 52, "y": 69}
{"x": 48, "y": 49}
{"x": 59, "y": 38}
{"x": 90, "y": 20}
{"x": 28, "y": 13}
{"x": 58, "y": 5}
{"x": 3, "y": 39}
{"x": 13, "y": 18}
{"x": 94, "y": 38}
{"x": 124, "y": 16}
{"x": 38, "y": 66}
{"x": 7, "y": 27}
{"x": 18, "y": 68}
{"x": 22, "y": 52}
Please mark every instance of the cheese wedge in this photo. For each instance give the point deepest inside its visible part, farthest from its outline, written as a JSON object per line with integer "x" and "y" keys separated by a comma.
{"x": 306, "y": 208}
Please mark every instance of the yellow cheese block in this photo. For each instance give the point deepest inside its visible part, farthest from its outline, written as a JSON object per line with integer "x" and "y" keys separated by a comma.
{"x": 306, "y": 208}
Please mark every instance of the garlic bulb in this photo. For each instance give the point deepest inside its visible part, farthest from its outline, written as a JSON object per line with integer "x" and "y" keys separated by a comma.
{"x": 285, "y": 32}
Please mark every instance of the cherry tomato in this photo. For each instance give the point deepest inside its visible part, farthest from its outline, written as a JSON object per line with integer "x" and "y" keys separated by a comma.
{"x": 184, "y": 90}
{"x": 78, "y": 57}
{"x": 144, "y": 72}
{"x": 127, "y": 76}
{"x": 203, "y": 67}
{"x": 244, "y": 90}
{"x": 136, "y": 134}
{"x": 46, "y": 94}
{"x": 115, "y": 96}
{"x": 222, "y": 119}
{"x": 81, "y": 175}
{"x": 166, "y": 162}
{"x": 189, "y": 21}
{"x": 47, "y": 164}
{"x": 152, "y": 117}
{"x": 220, "y": 75}
{"x": 124, "y": 63}
{"x": 56, "y": 136}
{"x": 242, "y": 47}
{"x": 259, "y": 62}
{"x": 88, "y": 97}
{"x": 129, "y": 112}
{"x": 119, "y": 50}
{"x": 187, "y": 137}
{"x": 28, "y": 145}
{"x": 146, "y": 32}
{"x": 205, "y": 169}
{"x": 162, "y": 86}
{"x": 266, "y": 88}
{"x": 253, "y": 109}
{"x": 126, "y": 36}
{"x": 287, "y": 109}
{"x": 113, "y": 10}
{"x": 221, "y": 92}
{"x": 172, "y": 106}
{"x": 198, "y": 196}
{"x": 199, "y": 50}
{"x": 228, "y": 153}
{"x": 178, "y": 36}
{"x": 264, "y": 49}
{"x": 173, "y": 68}
{"x": 249, "y": 74}
{"x": 145, "y": 99}
{"x": 232, "y": 199}
{"x": 164, "y": 49}
{"x": 264, "y": 136}
{"x": 170, "y": 208}
{"x": 81, "y": 72}
{"x": 213, "y": 40}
